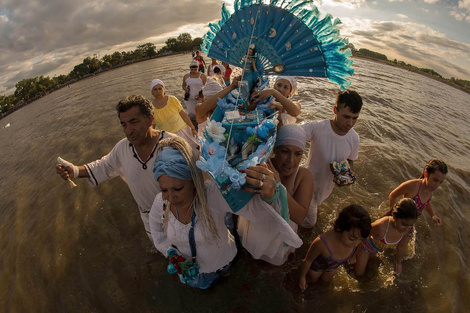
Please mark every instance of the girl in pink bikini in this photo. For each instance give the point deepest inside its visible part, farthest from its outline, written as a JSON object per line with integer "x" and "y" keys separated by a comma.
{"x": 420, "y": 190}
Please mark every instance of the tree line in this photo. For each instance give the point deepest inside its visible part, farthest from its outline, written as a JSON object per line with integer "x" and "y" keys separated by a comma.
{"x": 368, "y": 54}
{"x": 30, "y": 89}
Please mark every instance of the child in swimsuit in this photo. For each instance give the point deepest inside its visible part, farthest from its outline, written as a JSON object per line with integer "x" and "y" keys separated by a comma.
{"x": 388, "y": 232}
{"x": 420, "y": 190}
{"x": 334, "y": 247}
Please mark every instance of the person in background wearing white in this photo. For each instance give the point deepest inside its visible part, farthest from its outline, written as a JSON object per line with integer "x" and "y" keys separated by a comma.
{"x": 192, "y": 84}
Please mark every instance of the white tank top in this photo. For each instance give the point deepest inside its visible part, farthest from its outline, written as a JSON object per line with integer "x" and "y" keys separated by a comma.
{"x": 195, "y": 85}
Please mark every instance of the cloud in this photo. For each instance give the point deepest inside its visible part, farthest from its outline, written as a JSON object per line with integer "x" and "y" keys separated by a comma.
{"x": 413, "y": 43}
{"x": 65, "y": 31}
{"x": 461, "y": 12}
{"x": 349, "y": 4}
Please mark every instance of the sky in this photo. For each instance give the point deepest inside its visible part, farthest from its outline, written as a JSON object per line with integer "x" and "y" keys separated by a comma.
{"x": 50, "y": 37}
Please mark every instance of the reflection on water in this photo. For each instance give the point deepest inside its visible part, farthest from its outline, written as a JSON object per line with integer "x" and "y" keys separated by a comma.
{"x": 84, "y": 250}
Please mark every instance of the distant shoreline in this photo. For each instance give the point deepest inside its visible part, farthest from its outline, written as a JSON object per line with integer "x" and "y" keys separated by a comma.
{"x": 391, "y": 63}
{"x": 19, "y": 106}
{"x": 67, "y": 84}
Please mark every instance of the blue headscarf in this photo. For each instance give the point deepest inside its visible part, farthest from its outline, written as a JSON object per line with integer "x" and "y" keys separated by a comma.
{"x": 170, "y": 162}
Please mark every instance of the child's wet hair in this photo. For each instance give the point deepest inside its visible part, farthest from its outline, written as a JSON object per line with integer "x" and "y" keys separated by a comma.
{"x": 354, "y": 216}
{"x": 433, "y": 166}
{"x": 405, "y": 209}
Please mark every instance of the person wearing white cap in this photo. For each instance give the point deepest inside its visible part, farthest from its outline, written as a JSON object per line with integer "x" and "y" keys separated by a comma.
{"x": 212, "y": 91}
{"x": 284, "y": 88}
{"x": 170, "y": 116}
{"x": 192, "y": 84}
{"x": 260, "y": 238}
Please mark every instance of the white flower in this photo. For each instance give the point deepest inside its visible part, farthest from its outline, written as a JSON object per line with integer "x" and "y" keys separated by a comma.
{"x": 216, "y": 131}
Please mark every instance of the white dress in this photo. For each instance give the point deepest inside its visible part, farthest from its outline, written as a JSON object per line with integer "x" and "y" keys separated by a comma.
{"x": 326, "y": 146}
{"x": 212, "y": 253}
{"x": 195, "y": 85}
{"x": 121, "y": 162}
{"x": 262, "y": 239}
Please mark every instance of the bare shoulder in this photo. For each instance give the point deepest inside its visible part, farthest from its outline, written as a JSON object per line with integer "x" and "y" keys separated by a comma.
{"x": 410, "y": 187}
{"x": 379, "y": 226}
{"x": 304, "y": 176}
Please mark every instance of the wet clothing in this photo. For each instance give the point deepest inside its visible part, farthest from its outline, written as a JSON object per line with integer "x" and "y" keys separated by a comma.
{"x": 326, "y": 146}
{"x": 123, "y": 161}
{"x": 213, "y": 254}
{"x": 262, "y": 238}
{"x": 420, "y": 205}
{"x": 328, "y": 264}
{"x": 372, "y": 245}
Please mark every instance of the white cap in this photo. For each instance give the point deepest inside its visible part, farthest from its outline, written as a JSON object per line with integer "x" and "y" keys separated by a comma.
{"x": 156, "y": 82}
{"x": 211, "y": 88}
{"x": 193, "y": 63}
{"x": 292, "y": 82}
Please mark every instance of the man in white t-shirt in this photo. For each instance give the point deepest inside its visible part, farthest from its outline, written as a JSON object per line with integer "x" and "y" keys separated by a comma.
{"x": 132, "y": 158}
{"x": 331, "y": 140}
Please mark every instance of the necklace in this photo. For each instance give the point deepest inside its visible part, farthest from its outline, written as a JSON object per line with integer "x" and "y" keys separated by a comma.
{"x": 144, "y": 164}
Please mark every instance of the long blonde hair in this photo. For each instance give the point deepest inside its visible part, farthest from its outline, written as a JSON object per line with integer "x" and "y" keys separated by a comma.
{"x": 200, "y": 202}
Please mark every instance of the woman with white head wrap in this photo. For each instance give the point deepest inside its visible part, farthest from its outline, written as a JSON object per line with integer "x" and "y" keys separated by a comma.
{"x": 284, "y": 88}
{"x": 298, "y": 181}
{"x": 187, "y": 217}
{"x": 212, "y": 92}
{"x": 170, "y": 116}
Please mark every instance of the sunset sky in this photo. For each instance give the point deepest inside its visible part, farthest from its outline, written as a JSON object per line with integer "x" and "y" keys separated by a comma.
{"x": 50, "y": 37}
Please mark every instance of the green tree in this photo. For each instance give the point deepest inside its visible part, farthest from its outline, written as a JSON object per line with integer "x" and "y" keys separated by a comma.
{"x": 185, "y": 42}
{"x": 148, "y": 49}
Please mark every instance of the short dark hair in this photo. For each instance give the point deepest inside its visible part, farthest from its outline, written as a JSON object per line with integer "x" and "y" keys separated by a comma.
{"x": 349, "y": 98}
{"x": 128, "y": 102}
{"x": 354, "y": 216}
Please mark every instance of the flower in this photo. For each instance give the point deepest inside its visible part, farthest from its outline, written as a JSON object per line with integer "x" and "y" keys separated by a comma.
{"x": 251, "y": 161}
{"x": 225, "y": 105}
{"x": 215, "y": 131}
{"x": 171, "y": 268}
{"x": 213, "y": 149}
{"x": 238, "y": 179}
{"x": 172, "y": 252}
{"x": 213, "y": 165}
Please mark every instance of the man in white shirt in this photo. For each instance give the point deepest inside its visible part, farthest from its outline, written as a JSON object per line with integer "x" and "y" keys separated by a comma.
{"x": 331, "y": 140}
{"x": 132, "y": 157}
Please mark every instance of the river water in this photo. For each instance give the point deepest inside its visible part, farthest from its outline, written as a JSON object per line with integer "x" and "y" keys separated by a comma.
{"x": 85, "y": 250}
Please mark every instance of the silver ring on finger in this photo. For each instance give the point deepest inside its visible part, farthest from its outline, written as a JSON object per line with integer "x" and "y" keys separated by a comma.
{"x": 257, "y": 190}
{"x": 264, "y": 177}
{"x": 261, "y": 183}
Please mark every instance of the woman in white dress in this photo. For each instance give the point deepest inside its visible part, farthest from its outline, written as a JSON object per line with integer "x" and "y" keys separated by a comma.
{"x": 261, "y": 239}
{"x": 187, "y": 217}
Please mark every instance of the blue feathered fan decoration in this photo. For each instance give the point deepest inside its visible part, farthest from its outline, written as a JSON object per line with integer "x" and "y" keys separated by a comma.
{"x": 279, "y": 37}
{"x": 290, "y": 38}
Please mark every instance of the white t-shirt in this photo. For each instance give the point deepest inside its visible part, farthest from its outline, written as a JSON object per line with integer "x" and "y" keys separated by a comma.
{"x": 212, "y": 253}
{"x": 121, "y": 162}
{"x": 327, "y": 146}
